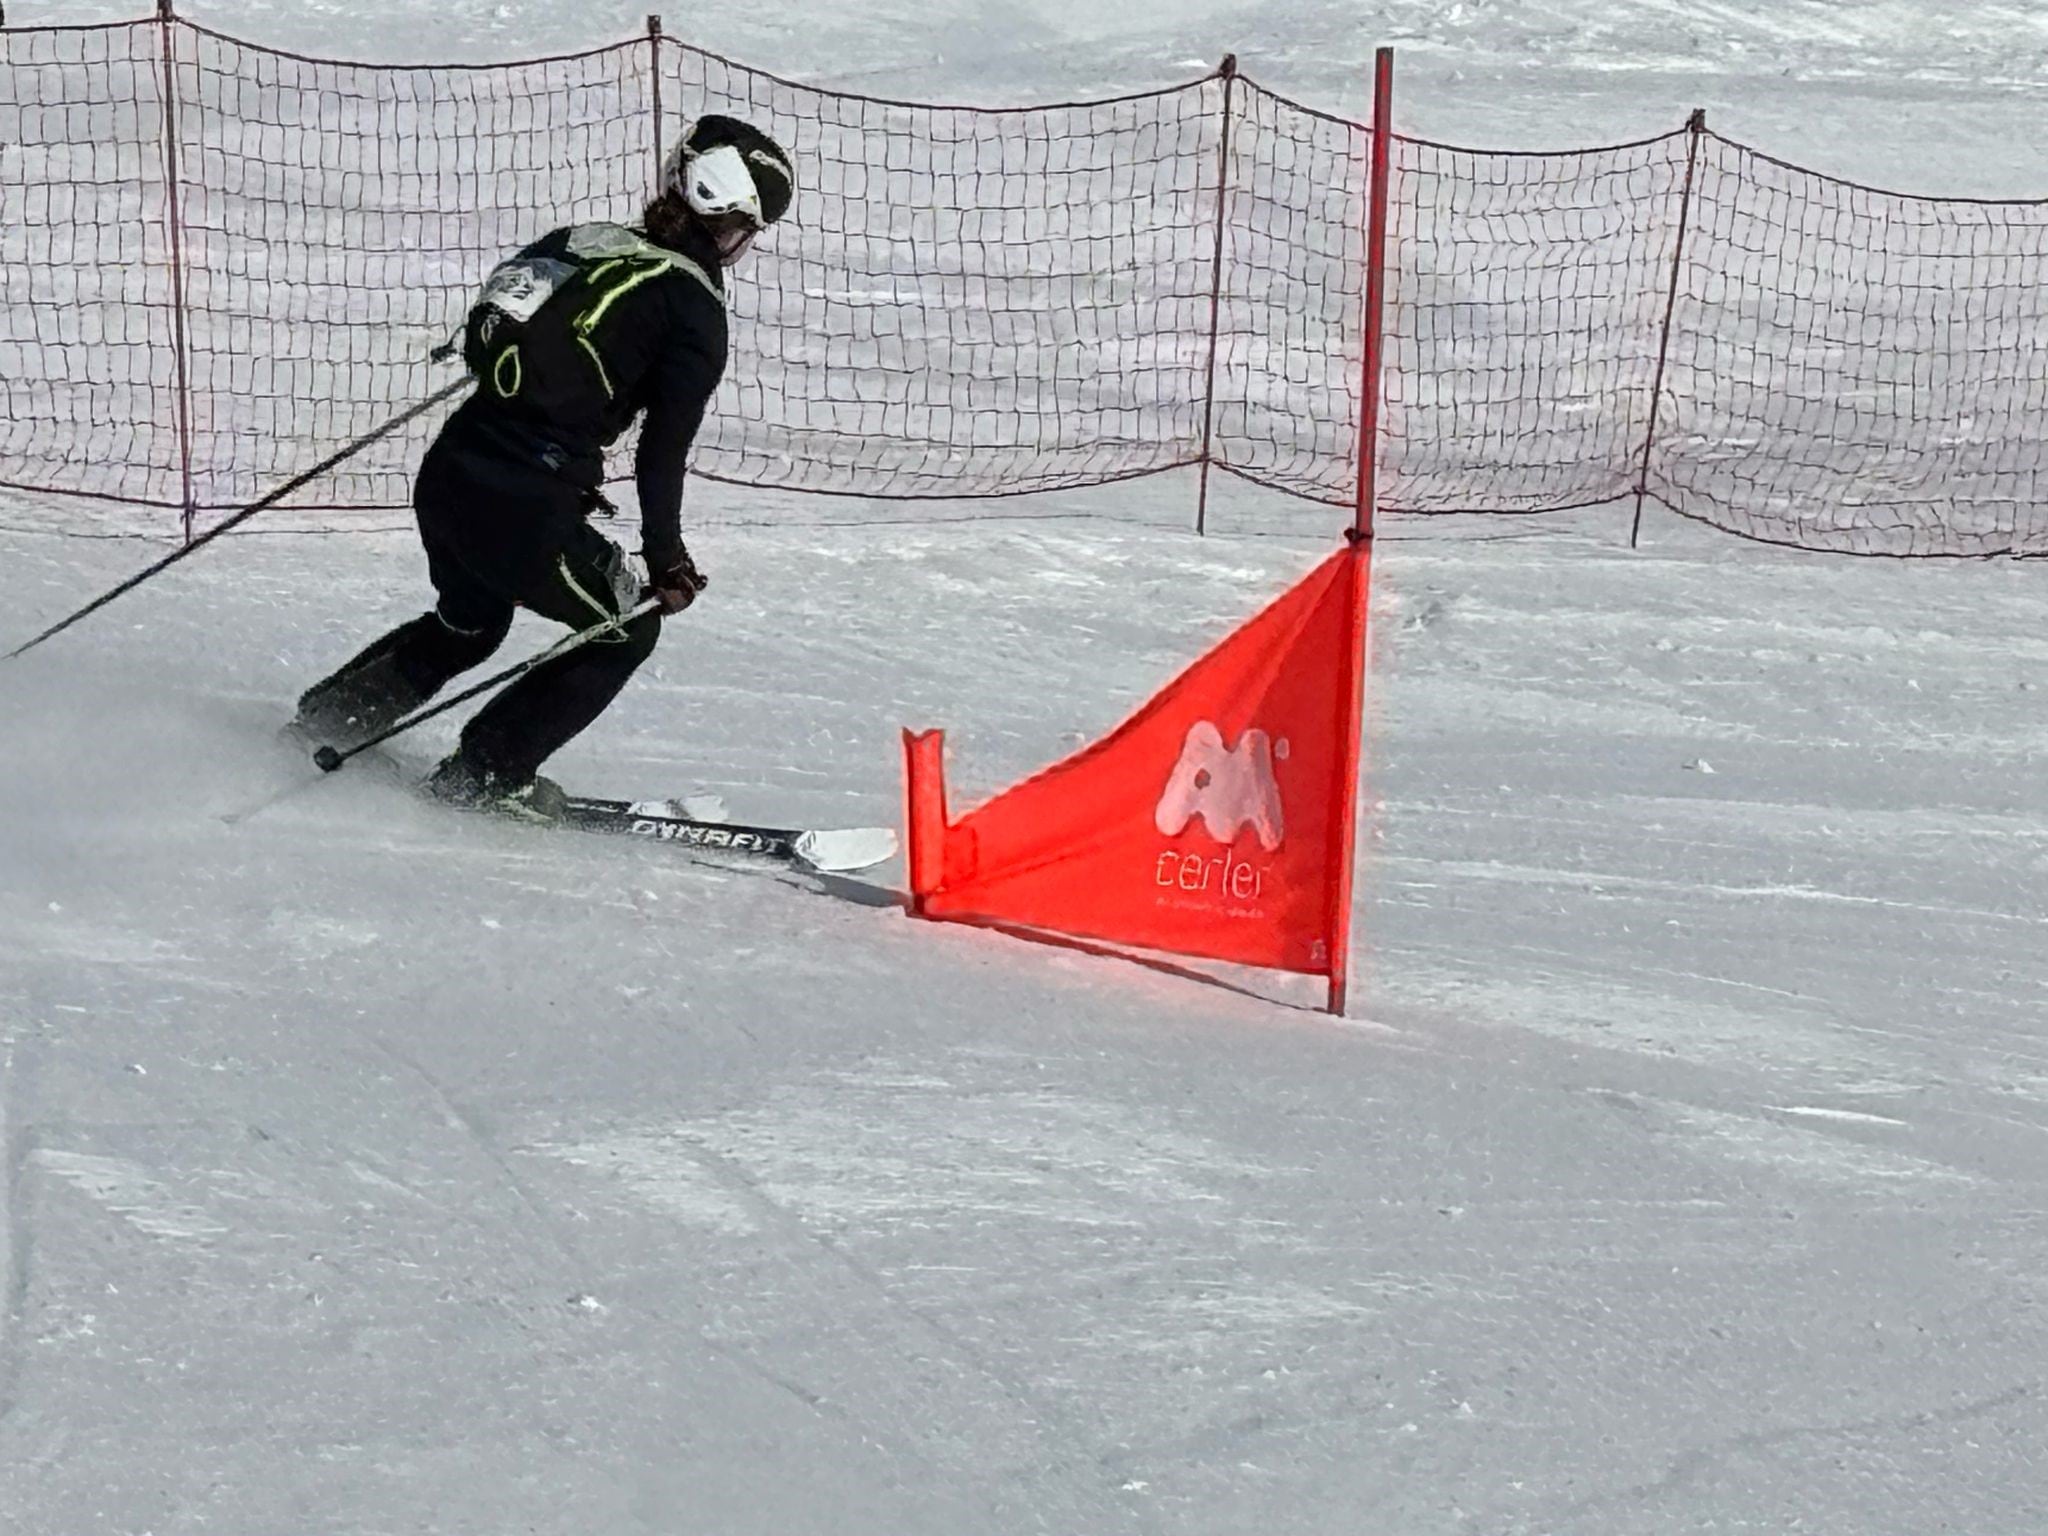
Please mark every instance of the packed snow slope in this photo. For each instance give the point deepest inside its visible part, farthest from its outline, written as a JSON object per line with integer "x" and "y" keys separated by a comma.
{"x": 373, "y": 1169}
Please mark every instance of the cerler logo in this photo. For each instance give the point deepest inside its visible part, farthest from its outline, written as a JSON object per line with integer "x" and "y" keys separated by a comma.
{"x": 1227, "y": 789}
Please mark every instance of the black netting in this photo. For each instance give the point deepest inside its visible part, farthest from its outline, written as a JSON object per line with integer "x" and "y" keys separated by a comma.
{"x": 337, "y": 220}
{"x": 1292, "y": 340}
{"x": 1855, "y": 370}
{"x": 1525, "y": 298}
{"x": 967, "y": 302}
{"x": 205, "y": 294}
{"x": 88, "y": 386}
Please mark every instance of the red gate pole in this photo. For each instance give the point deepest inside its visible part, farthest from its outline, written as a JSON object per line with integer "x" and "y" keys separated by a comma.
{"x": 1228, "y": 71}
{"x": 1375, "y": 295}
{"x": 924, "y": 821}
{"x": 1359, "y": 535}
{"x": 654, "y": 53}
{"x": 175, "y": 225}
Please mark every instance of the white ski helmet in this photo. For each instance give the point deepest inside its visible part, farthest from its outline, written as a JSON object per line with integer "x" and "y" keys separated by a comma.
{"x": 733, "y": 177}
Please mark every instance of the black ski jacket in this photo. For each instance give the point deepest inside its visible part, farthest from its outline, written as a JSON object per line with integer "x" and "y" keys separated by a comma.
{"x": 579, "y": 334}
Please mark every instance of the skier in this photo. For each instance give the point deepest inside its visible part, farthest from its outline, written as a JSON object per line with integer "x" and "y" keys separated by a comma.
{"x": 569, "y": 341}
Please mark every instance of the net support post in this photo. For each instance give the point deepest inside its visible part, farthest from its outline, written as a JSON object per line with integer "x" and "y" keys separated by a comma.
{"x": 654, "y": 63}
{"x": 174, "y": 226}
{"x": 1695, "y": 130}
{"x": 1227, "y": 72}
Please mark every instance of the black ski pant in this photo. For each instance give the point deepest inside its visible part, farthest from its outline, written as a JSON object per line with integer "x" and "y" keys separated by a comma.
{"x": 502, "y": 534}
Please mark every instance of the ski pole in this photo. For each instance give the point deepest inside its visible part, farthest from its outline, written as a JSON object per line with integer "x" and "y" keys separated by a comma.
{"x": 330, "y": 758}
{"x": 246, "y": 513}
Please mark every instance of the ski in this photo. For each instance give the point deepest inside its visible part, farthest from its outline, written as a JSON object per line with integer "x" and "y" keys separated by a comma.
{"x": 838, "y": 850}
{"x": 695, "y": 821}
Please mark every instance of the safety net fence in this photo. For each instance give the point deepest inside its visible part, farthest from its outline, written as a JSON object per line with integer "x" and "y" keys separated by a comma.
{"x": 221, "y": 262}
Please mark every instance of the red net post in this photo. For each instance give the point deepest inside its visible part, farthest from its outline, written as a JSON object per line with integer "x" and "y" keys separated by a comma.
{"x": 654, "y": 104}
{"x": 1228, "y": 73}
{"x": 174, "y": 226}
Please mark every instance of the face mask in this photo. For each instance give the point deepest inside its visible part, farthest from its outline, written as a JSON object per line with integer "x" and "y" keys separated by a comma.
{"x": 732, "y": 242}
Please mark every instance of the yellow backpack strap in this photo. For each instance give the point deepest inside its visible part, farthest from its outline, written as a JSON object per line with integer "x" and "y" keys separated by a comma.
{"x": 507, "y": 379}
{"x": 604, "y": 243}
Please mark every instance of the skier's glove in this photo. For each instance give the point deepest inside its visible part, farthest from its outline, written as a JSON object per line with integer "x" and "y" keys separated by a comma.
{"x": 675, "y": 580}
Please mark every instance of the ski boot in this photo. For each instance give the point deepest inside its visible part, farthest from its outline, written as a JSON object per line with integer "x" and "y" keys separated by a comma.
{"x": 461, "y": 781}
{"x": 364, "y": 699}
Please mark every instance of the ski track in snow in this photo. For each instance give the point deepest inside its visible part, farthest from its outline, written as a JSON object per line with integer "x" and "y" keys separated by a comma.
{"x": 131, "y": 1194}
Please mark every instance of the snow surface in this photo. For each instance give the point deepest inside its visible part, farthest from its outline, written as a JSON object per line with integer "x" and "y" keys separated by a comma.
{"x": 1681, "y": 1167}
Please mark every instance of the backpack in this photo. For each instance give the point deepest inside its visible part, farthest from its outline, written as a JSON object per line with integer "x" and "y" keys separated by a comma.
{"x": 531, "y": 338}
